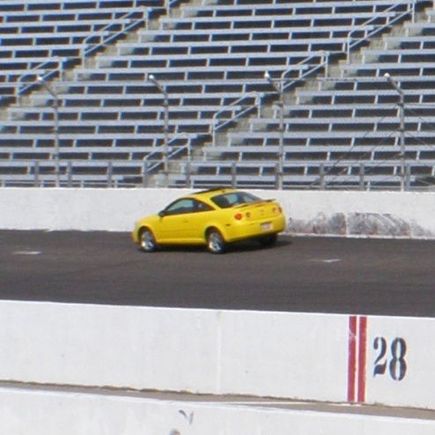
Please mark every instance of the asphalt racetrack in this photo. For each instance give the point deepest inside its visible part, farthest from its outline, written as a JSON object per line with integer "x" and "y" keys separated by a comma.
{"x": 328, "y": 275}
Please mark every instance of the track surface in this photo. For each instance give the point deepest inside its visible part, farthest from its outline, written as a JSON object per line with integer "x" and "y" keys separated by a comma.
{"x": 394, "y": 277}
{"x": 389, "y": 277}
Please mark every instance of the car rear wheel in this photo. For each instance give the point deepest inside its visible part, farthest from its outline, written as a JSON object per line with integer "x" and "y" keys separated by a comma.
{"x": 147, "y": 241}
{"x": 215, "y": 242}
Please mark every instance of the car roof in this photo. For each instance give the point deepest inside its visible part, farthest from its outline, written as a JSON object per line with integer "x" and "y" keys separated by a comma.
{"x": 207, "y": 194}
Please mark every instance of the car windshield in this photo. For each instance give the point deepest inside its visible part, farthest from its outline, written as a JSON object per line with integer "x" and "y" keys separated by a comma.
{"x": 231, "y": 199}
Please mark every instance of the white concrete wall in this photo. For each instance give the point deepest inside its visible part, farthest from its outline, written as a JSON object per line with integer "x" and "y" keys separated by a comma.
{"x": 406, "y": 371}
{"x": 79, "y": 209}
{"x": 200, "y": 351}
{"x": 334, "y": 358}
{"x": 385, "y": 214}
{"x": 36, "y": 412}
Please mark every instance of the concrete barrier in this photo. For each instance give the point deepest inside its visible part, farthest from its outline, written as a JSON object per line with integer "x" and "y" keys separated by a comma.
{"x": 200, "y": 351}
{"x": 367, "y": 214}
{"x": 318, "y": 357}
{"x": 39, "y": 412}
{"x": 400, "y": 362}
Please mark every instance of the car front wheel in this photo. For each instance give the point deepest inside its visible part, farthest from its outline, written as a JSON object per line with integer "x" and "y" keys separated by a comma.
{"x": 147, "y": 241}
{"x": 215, "y": 242}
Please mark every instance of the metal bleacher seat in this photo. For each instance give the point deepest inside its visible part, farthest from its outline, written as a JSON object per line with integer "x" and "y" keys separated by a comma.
{"x": 208, "y": 57}
{"x": 356, "y": 117}
{"x": 33, "y": 33}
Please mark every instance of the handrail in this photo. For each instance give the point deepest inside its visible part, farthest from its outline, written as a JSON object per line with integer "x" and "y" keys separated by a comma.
{"x": 258, "y": 101}
{"x": 311, "y": 68}
{"x": 325, "y": 62}
{"x": 217, "y": 126}
{"x": 89, "y": 48}
{"x": 410, "y": 9}
{"x": 44, "y": 73}
{"x": 86, "y": 50}
{"x": 172, "y": 152}
{"x": 168, "y": 4}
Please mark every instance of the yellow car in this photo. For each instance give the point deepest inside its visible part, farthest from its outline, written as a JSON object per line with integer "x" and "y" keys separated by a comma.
{"x": 213, "y": 218}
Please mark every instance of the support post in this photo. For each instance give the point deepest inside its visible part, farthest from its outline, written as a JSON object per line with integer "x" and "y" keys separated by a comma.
{"x": 56, "y": 101}
{"x": 157, "y": 84}
{"x": 278, "y": 85}
{"x": 395, "y": 85}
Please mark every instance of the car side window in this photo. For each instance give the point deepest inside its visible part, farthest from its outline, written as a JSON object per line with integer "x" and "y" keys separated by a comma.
{"x": 222, "y": 201}
{"x": 231, "y": 199}
{"x": 201, "y": 206}
{"x": 181, "y": 206}
{"x": 186, "y": 205}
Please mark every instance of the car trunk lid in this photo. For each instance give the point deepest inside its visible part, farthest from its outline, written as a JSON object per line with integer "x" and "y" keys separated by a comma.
{"x": 257, "y": 211}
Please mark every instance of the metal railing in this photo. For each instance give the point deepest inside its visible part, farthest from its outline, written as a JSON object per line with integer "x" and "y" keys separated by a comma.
{"x": 347, "y": 175}
{"x": 303, "y": 74}
{"x": 30, "y": 80}
{"x": 355, "y": 42}
{"x": 106, "y": 37}
{"x": 151, "y": 163}
{"x": 351, "y": 43}
{"x": 219, "y": 123}
{"x": 169, "y": 4}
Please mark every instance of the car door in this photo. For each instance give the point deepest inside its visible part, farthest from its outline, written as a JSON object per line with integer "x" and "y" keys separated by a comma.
{"x": 174, "y": 221}
{"x": 184, "y": 221}
{"x": 197, "y": 221}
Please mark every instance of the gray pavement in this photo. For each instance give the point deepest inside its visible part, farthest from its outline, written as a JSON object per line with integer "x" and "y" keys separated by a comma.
{"x": 332, "y": 275}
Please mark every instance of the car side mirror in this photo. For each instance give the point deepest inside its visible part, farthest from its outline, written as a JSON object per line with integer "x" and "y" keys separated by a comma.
{"x": 162, "y": 213}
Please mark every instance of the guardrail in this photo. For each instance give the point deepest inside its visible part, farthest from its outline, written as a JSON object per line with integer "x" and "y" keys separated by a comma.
{"x": 42, "y": 174}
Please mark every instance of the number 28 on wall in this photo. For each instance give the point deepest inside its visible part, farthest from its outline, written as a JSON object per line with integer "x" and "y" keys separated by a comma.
{"x": 390, "y": 360}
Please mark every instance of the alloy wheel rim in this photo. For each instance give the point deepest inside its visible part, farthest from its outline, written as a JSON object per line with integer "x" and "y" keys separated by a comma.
{"x": 147, "y": 240}
{"x": 215, "y": 242}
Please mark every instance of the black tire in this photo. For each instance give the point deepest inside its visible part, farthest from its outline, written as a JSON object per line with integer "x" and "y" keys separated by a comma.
{"x": 215, "y": 242}
{"x": 269, "y": 240}
{"x": 147, "y": 241}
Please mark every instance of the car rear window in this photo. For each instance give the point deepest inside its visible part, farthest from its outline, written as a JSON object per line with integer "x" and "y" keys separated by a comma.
{"x": 231, "y": 199}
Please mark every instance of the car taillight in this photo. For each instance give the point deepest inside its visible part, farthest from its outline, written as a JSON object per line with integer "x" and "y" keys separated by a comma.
{"x": 238, "y": 216}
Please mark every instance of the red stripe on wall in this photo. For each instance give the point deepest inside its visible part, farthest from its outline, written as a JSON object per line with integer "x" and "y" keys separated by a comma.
{"x": 351, "y": 363}
{"x": 362, "y": 356}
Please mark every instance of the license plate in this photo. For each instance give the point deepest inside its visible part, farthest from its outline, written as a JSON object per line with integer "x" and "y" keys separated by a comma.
{"x": 266, "y": 226}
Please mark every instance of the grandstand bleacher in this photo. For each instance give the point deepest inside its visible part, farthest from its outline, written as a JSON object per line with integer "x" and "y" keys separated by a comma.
{"x": 222, "y": 125}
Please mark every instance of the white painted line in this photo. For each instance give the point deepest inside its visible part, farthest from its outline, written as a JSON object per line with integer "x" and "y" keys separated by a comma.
{"x": 326, "y": 260}
{"x": 27, "y": 252}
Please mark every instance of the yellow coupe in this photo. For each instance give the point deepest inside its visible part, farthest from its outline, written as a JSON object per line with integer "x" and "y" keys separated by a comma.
{"x": 213, "y": 218}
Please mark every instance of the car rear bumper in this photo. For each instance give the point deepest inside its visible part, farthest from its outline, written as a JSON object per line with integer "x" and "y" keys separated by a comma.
{"x": 255, "y": 229}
